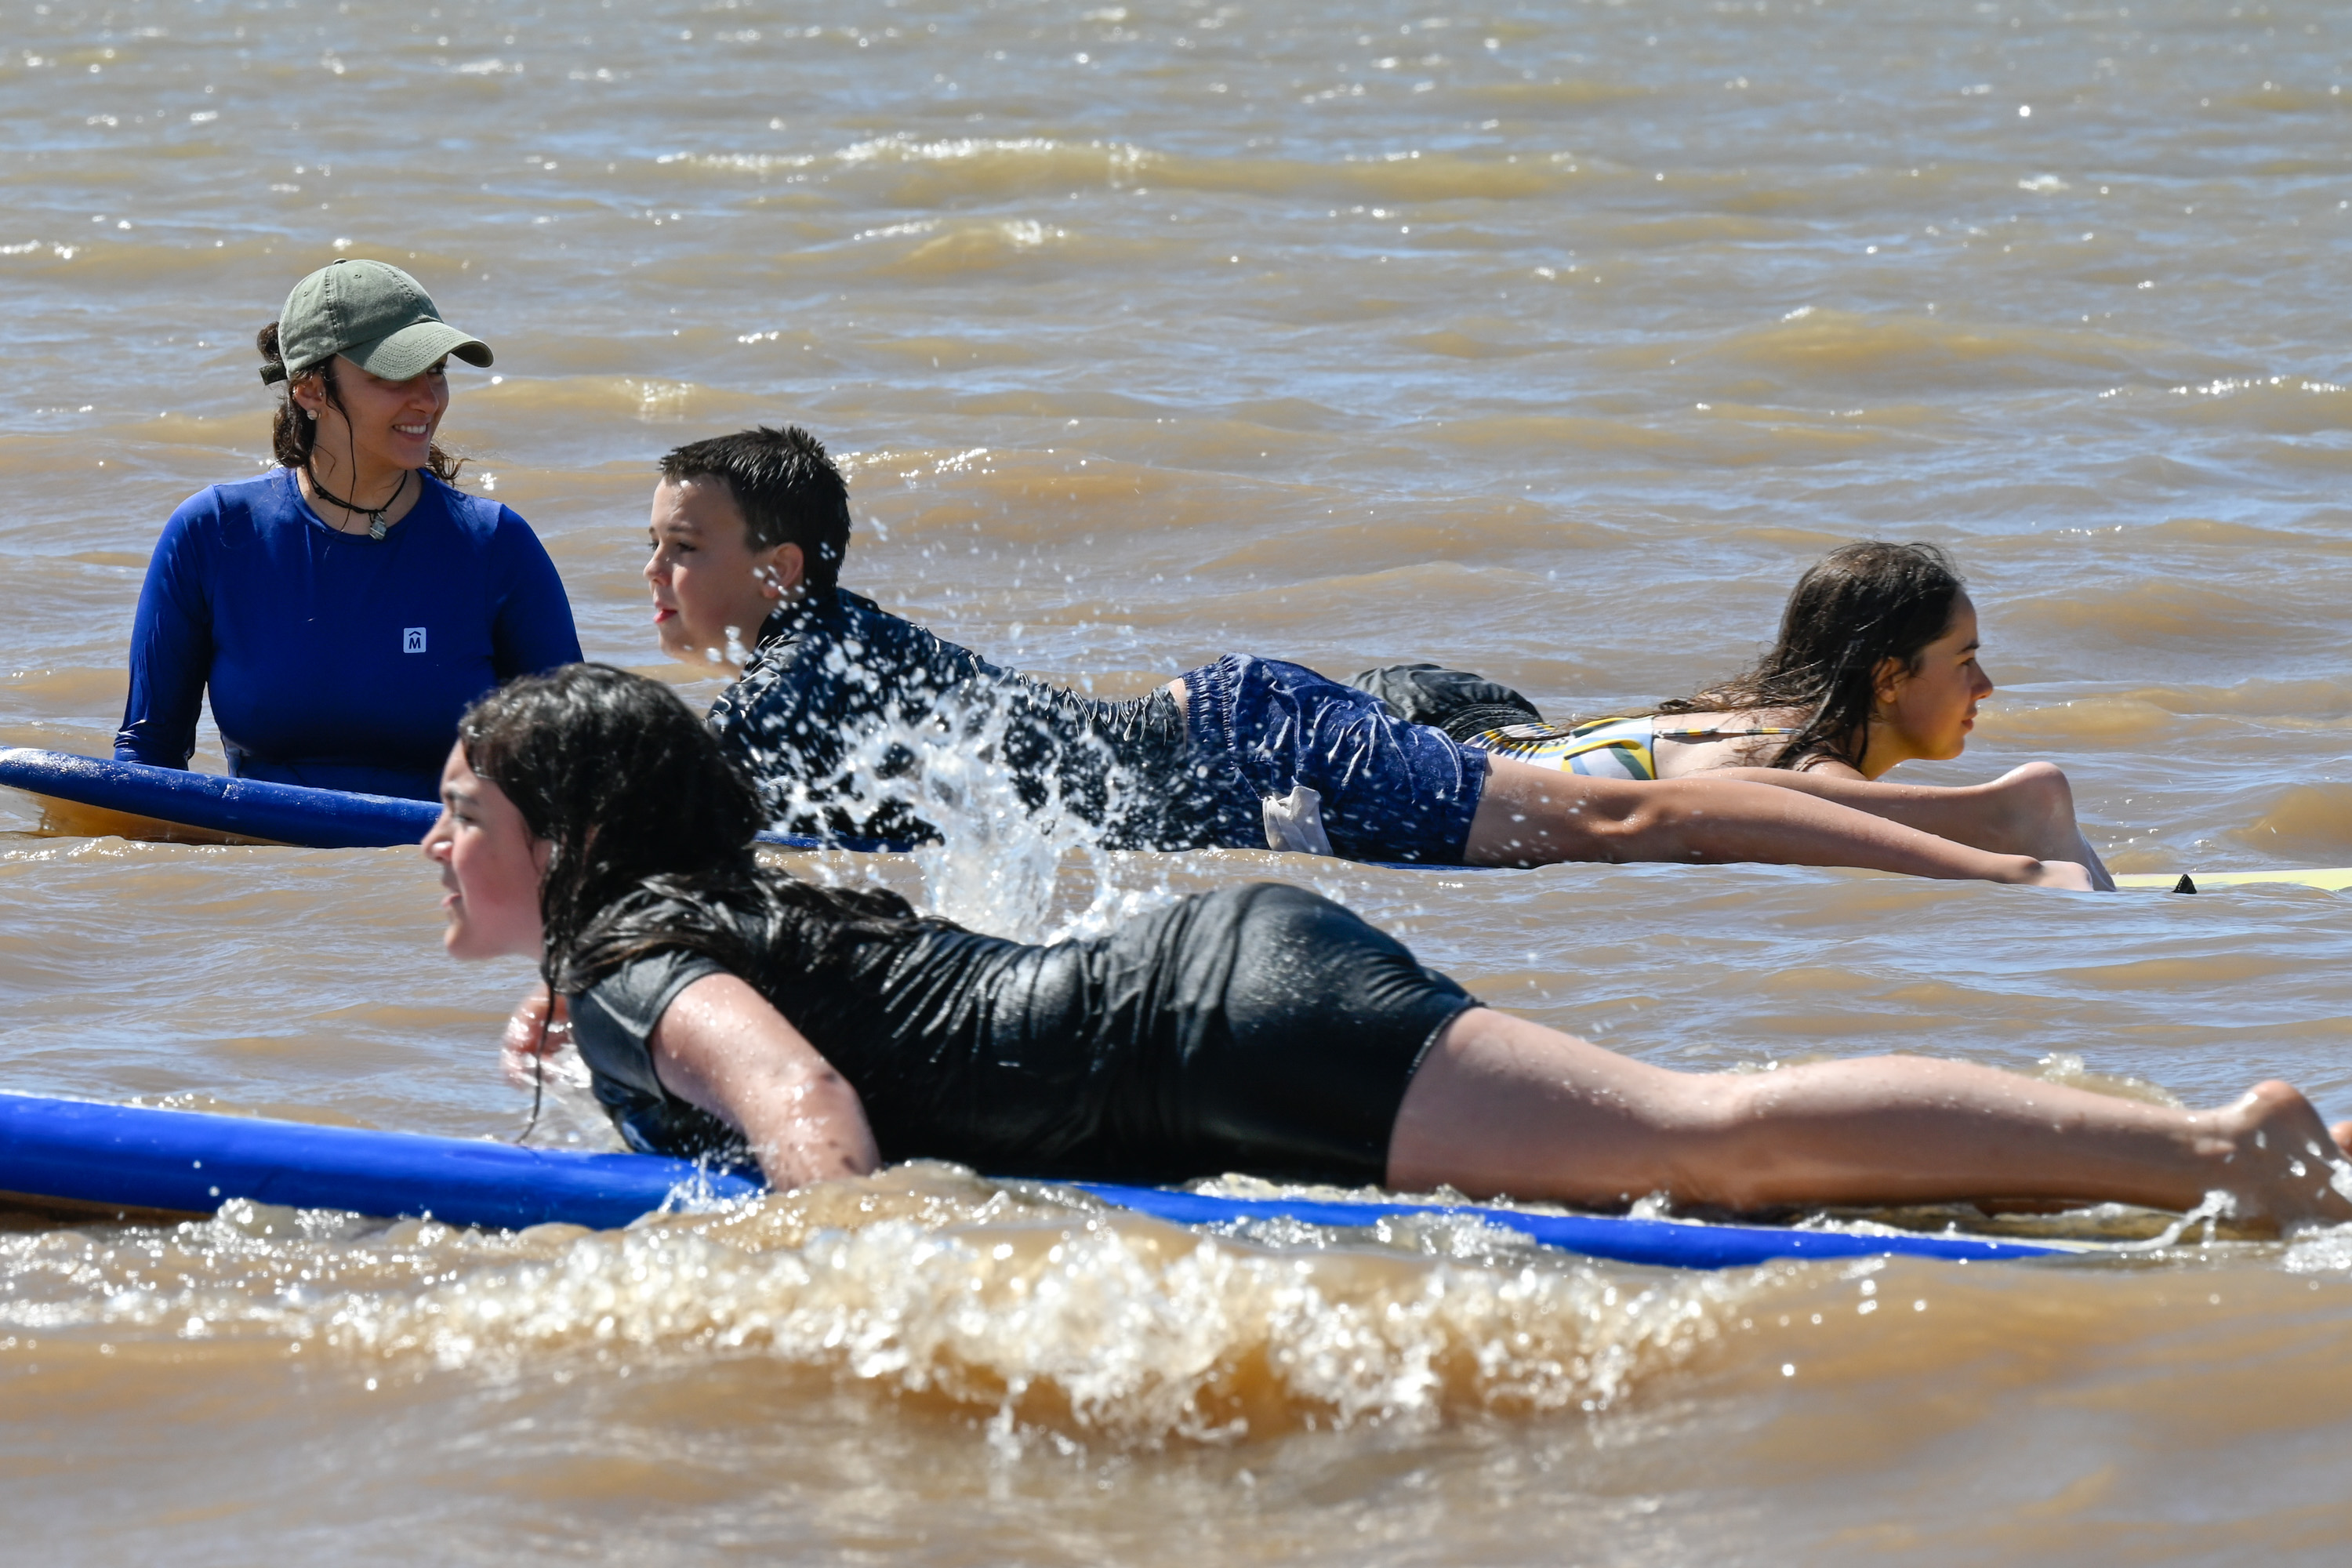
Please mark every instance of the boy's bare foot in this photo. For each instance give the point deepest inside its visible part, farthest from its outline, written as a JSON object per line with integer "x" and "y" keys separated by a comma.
{"x": 2278, "y": 1159}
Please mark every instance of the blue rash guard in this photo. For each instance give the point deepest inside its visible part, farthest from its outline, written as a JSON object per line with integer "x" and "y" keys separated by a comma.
{"x": 334, "y": 660}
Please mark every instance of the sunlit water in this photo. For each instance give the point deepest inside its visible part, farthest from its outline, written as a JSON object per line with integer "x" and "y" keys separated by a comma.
{"x": 1550, "y": 341}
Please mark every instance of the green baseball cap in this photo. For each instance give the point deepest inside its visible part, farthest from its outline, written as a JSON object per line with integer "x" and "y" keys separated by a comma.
{"x": 372, "y": 313}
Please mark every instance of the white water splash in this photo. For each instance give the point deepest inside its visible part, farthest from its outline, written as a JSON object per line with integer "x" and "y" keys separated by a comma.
{"x": 998, "y": 866}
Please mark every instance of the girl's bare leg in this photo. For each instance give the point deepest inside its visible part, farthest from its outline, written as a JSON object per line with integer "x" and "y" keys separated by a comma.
{"x": 1533, "y": 816}
{"x": 2029, "y": 810}
{"x": 1502, "y": 1105}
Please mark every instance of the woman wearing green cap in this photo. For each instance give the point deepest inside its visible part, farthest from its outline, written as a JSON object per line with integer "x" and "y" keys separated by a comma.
{"x": 344, "y": 608}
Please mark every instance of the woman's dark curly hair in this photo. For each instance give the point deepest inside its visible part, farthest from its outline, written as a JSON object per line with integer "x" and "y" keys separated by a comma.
{"x": 292, "y": 437}
{"x": 650, "y": 828}
{"x": 1859, "y": 606}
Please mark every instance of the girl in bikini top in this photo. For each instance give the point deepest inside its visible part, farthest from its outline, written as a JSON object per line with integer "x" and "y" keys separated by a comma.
{"x": 1876, "y": 665}
{"x": 1628, "y": 748}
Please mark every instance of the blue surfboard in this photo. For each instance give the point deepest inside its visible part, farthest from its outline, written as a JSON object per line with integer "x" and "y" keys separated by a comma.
{"x": 139, "y": 1162}
{"x": 93, "y": 798}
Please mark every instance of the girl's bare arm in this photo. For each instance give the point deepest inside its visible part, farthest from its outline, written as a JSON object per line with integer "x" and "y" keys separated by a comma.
{"x": 721, "y": 1046}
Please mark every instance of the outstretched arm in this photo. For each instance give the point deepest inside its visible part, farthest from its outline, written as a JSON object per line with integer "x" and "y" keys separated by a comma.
{"x": 2029, "y": 810}
{"x": 721, "y": 1046}
{"x": 1533, "y": 816}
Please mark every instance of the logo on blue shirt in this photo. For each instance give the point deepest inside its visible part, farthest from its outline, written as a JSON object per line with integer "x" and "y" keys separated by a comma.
{"x": 412, "y": 640}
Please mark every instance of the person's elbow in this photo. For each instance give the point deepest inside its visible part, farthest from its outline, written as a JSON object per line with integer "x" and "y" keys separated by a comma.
{"x": 1633, "y": 820}
{"x": 2043, "y": 783}
{"x": 811, "y": 1127}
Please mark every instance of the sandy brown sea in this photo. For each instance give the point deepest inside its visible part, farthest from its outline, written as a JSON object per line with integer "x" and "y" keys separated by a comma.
{"x": 1551, "y": 341}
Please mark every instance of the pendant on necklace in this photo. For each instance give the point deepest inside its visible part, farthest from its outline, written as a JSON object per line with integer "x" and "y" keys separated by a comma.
{"x": 377, "y": 528}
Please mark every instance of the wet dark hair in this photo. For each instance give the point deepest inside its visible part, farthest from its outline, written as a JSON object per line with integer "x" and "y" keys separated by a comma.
{"x": 1858, "y": 606}
{"x": 292, "y": 437}
{"x": 786, "y": 488}
{"x": 635, "y": 795}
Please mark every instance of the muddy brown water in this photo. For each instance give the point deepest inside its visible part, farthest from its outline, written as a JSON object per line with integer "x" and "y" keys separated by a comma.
{"x": 1549, "y": 340}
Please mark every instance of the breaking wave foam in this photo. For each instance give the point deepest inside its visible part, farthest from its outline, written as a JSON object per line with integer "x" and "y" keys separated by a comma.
{"x": 929, "y": 1286}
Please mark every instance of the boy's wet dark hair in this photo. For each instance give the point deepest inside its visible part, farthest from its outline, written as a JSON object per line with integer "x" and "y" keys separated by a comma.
{"x": 1855, "y": 609}
{"x": 786, "y": 488}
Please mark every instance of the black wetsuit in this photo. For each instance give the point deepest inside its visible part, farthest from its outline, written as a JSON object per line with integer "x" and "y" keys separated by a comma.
{"x": 1258, "y": 1028}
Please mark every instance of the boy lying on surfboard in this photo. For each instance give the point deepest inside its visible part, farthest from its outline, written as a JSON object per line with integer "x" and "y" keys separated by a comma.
{"x": 749, "y": 532}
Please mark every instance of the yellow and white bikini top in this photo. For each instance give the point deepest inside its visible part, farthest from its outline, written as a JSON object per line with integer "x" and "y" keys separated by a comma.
{"x": 1601, "y": 748}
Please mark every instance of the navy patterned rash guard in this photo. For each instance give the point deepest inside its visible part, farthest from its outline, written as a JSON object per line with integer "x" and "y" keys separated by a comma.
{"x": 831, "y": 670}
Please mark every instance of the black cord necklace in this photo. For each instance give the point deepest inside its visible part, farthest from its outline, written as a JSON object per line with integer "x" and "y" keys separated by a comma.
{"x": 377, "y": 525}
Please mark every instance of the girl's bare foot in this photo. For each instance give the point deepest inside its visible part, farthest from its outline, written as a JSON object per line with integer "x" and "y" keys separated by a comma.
{"x": 2278, "y": 1159}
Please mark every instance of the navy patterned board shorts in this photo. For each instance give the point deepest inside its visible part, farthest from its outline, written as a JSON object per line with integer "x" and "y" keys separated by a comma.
{"x": 1259, "y": 727}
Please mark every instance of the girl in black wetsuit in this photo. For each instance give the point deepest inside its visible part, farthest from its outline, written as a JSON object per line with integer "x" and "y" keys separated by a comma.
{"x": 590, "y": 821}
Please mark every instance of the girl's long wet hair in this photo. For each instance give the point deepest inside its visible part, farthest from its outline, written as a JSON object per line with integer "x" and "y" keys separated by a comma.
{"x": 649, "y": 825}
{"x": 1859, "y": 605}
{"x": 292, "y": 437}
